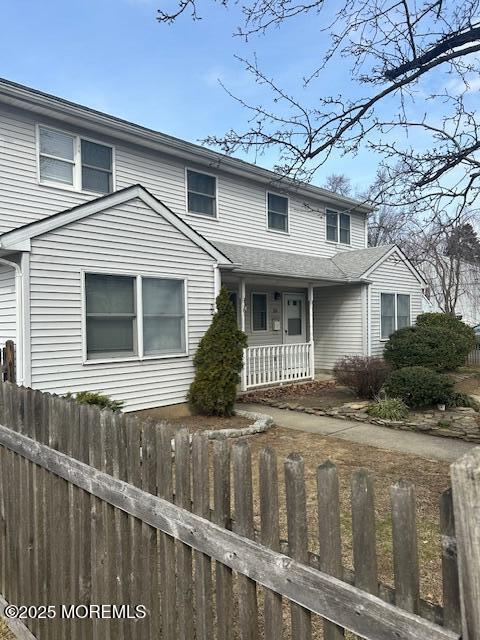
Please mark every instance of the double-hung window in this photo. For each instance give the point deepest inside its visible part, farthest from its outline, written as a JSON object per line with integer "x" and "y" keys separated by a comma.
{"x": 201, "y": 193}
{"x": 338, "y": 227}
{"x": 395, "y": 313}
{"x": 74, "y": 162}
{"x": 277, "y": 212}
{"x": 259, "y": 311}
{"x": 134, "y": 316}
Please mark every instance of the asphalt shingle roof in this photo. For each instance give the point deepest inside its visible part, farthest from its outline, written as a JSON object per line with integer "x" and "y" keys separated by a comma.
{"x": 344, "y": 266}
{"x": 355, "y": 263}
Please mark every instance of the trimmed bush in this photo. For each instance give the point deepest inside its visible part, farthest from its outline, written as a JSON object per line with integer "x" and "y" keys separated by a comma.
{"x": 462, "y": 400}
{"x": 419, "y": 387}
{"x": 362, "y": 374}
{"x": 438, "y": 341}
{"x": 218, "y": 362}
{"x": 388, "y": 409}
{"x": 98, "y": 399}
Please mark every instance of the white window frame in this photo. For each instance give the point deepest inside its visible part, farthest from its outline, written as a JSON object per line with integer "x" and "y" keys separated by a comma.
{"x": 259, "y": 293}
{"x": 395, "y": 294}
{"x": 77, "y": 162}
{"x": 280, "y": 195}
{"x": 338, "y": 213}
{"x": 194, "y": 213}
{"x": 140, "y": 356}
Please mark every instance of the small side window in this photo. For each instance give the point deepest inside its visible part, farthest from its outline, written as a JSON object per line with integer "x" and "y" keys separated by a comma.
{"x": 259, "y": 311}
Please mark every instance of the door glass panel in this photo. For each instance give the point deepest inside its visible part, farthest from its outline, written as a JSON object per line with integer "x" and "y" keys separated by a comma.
{"x": 294, "y": 326}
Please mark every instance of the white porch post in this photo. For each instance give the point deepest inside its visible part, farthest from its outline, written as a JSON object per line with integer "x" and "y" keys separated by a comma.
{"x": 242, "y": 327}
{"x": 310, "y": 329}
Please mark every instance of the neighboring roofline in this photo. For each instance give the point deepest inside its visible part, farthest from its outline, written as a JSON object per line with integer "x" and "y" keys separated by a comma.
{"x": 395, "y": 249}
{"x": 24, "y": 97}
{"x": 20, "y": 237}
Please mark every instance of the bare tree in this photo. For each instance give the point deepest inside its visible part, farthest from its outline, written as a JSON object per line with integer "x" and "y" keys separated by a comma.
{"x": 339, "y": 183}
{"x": 405, "y": 57}
{"x": 447, "y": 253}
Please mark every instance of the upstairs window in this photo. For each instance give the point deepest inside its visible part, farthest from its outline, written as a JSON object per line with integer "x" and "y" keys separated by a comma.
{"x": 338, "y": 227}
{"x": 74, "y": 162}
{"x": 395, "y": 313}
{"x": 277, "y": 208}
{"x": 201, "y": 193}
{"x": 96, "y": 167}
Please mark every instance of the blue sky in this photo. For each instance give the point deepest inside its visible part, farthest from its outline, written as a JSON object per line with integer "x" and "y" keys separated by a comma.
{"x": 112, "y": 55}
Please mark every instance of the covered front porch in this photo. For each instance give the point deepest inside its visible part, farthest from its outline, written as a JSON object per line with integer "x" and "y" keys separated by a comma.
{"x": 300, "y": 313}
{"x": 278, "y": 317}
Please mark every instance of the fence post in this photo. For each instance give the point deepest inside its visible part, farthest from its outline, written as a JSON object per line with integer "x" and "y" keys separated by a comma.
{"x": 465, "y": 474}
{"x": 9, "y": 361}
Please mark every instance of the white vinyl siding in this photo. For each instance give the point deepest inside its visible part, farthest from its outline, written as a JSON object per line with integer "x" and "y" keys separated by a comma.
{"x": 7, "y": 304}
{"x": 339, "y": 323}
{"x": 392, "y": 276}
{"x": 130, "y": 238}
{"x": 241, "y": 202}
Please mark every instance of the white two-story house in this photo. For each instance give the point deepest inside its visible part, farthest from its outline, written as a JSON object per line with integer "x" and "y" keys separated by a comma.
{"x": 115, "y": 240}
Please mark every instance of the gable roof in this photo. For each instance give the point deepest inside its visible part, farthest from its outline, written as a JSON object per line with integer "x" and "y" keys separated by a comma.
{"x": 357, "y": 262}
{"x": 51, "y": 106}
{"x": 282, "y": 263}
{"x": 345, "y": 266}
{"x": 20, "y": 237}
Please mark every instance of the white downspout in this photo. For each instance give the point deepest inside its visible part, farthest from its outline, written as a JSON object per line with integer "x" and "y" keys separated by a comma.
{"x": 369, "y": 319}
{"x": 18, "y": 319}
{"x": 216, "y": 284}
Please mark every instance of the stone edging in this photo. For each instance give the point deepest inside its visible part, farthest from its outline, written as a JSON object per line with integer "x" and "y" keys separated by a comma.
{"x": 262, "y": 422}
{"x": 466, "y": 432}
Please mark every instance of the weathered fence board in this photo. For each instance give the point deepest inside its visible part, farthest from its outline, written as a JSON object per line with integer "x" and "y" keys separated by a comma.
{"x": 132, "y": 522}
{"x": 360, "y": 612}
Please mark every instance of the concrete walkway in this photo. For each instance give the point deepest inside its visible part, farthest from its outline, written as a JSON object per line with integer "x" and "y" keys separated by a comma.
{"x": 447, "y": 449}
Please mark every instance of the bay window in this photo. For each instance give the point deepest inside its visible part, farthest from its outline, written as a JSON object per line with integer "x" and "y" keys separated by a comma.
{"x": 134, "y": 316}
{"x": 74, "y": 162}
{"x": 395, "y": 313}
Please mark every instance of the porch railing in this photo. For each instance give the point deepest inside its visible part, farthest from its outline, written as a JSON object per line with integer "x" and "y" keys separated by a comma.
{"x": 273, "y": 364}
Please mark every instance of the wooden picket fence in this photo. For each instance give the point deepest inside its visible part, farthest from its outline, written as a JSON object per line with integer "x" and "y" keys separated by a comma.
{"x": 96, "y": 508}
{"x": 7, "y": 362}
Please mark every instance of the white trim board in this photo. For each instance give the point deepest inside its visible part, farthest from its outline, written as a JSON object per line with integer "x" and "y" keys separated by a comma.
{"x": 19, "y": 239}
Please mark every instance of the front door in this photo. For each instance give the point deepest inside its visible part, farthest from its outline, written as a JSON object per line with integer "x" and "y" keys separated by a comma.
{"x": 294, "y": 318}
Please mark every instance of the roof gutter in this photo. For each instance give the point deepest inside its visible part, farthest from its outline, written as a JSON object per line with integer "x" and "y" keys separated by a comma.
{"x": 50, "y": 106}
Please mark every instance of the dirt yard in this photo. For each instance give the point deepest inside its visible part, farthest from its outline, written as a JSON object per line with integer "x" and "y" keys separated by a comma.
{"x": 430, "y": 478}
{"x": 198, "y": 423}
